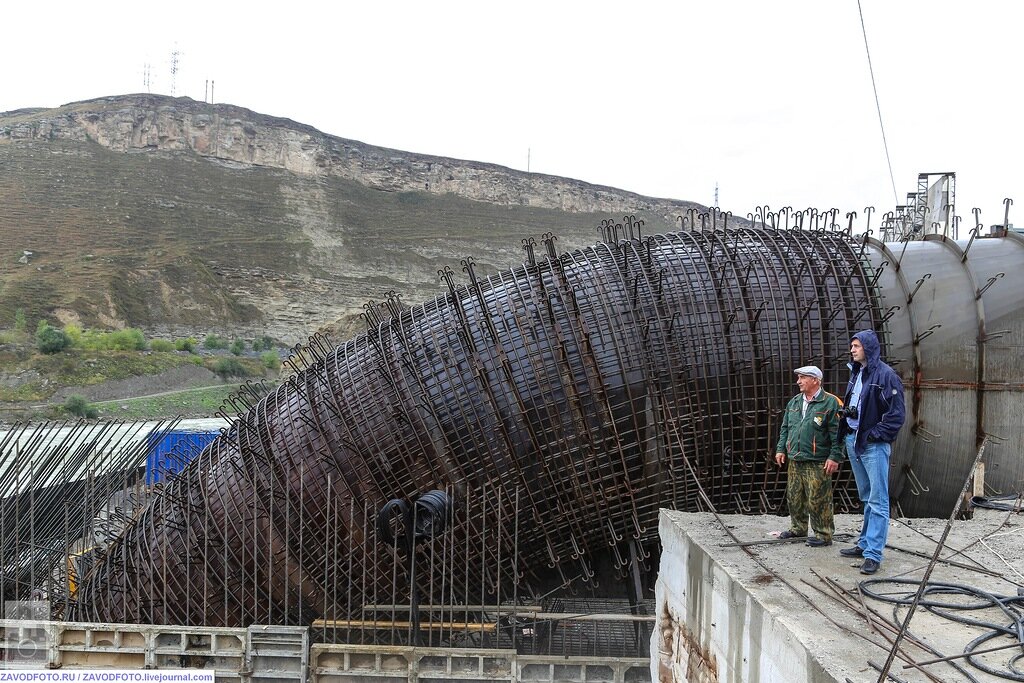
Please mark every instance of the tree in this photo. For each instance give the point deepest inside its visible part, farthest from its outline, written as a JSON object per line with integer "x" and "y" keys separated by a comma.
{"x": 20, "y": 322}
{"x": 50, "y": 340}
{"x": 237, "y": 347}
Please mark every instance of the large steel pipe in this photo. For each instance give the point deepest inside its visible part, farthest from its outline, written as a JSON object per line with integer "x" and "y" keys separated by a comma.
{"x": 954, "y": 321}
{"x": 590, "y": 388}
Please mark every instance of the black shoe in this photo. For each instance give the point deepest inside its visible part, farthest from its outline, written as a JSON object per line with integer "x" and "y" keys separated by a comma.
{"x": 790, "y": 534}
{"x": 869, "y": 567}
{"x": 855, "y": 551}
{"x": 816, "y": 542}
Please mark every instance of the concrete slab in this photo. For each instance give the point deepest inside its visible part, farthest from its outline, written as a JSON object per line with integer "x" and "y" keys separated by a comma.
{"x": 790, "y": 613}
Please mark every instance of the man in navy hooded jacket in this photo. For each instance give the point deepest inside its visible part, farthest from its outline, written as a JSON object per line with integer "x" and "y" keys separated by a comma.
{"x": 875, "y": 413}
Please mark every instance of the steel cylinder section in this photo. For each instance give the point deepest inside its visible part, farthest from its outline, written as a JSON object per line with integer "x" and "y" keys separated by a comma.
{"x": 955, "y": 328}
{"x": 592, "y": 389}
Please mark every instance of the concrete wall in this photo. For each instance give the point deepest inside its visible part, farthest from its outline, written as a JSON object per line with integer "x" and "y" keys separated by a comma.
{"x": 70, "y": 645}
{"x": 283, "y": 654}
{"x": 711, "y": 629}
{"x": 338, "y": 663}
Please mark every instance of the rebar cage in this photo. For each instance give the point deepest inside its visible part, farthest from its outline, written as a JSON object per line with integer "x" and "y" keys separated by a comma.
{"x": 560, "y": 403}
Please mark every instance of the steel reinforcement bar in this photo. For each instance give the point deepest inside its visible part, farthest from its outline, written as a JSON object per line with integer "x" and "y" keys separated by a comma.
{"x": 558, "y": 405}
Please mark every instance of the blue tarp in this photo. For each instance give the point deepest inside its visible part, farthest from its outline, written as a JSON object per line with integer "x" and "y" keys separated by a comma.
{"x": 171, "y": 451}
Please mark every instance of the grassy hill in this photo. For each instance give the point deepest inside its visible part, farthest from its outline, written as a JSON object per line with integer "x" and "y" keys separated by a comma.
{"x": 175, "y": 242}
{"x": 182, "y": 219}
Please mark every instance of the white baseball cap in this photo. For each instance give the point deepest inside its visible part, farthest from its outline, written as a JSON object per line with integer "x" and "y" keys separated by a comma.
{"x": 810, "y": 371}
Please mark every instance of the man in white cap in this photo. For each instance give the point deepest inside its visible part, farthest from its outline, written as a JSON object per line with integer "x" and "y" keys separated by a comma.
{"x": 810, "y": 440}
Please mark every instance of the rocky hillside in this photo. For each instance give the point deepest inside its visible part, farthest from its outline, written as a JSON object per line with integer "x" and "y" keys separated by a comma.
{"x": 182, "y": 217}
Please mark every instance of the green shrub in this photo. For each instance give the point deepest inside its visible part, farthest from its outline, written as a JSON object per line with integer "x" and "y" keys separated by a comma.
{"x": 161, "y": 345}
{"x": 20, "y": 322}
{"x": 186, "y": 344}
{"x": 129, "y": 339}
{"x": 77, "y": 405}
{"x": 214, "y": 342}
{"x": 270, "y": 360}
{"x": 50, "y": 340}
{"x": 237, "y": 347}
{"x": 229, "y": 367}
{"x": 89, "y": 340}
{"x": 263, "y": 343}
{"x": 74, "y": 333}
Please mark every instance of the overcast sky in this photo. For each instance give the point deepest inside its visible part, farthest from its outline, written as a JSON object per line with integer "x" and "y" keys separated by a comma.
{"x": 770, "y": 100}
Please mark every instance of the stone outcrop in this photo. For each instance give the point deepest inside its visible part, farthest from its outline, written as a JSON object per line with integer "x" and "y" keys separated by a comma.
{"x": 182, "y": 218}
{"x": 237, "y": 135}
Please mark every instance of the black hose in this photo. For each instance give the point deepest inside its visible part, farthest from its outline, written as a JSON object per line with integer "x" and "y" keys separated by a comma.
{"x": 432, "y": 511}
{"x": 988, "y": 502}
{"x": 391, "y": 522}
{"x": 1011, "y": 606}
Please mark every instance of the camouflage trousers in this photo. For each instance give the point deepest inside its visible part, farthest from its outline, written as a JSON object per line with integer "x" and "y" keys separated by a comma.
{"x": 809, "y": 494}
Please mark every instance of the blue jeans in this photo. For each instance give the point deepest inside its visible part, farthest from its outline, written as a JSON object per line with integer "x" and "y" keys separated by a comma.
{"x": 871, "y": 470}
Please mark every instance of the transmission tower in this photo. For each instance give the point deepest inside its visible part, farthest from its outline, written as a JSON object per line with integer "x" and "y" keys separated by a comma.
{"x": 175, "y": 53}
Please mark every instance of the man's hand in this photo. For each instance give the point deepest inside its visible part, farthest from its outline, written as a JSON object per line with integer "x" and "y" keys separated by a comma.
{"x": 780, "y": 459}
{"x": 831, "y": 467}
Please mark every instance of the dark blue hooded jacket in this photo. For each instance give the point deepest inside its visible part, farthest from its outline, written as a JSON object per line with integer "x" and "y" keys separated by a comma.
{"x": 882, "y": 408}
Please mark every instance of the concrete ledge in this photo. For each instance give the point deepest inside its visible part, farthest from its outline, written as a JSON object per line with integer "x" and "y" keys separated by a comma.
{"x": 766, "y": 613}
{"x": 711, "y": 627}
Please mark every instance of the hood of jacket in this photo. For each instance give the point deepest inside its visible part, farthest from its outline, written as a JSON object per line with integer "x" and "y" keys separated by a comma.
{"x": 872, "y": 347}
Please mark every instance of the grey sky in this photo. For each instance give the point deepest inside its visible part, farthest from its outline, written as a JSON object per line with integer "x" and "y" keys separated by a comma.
{"x": 771, "y": 100}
